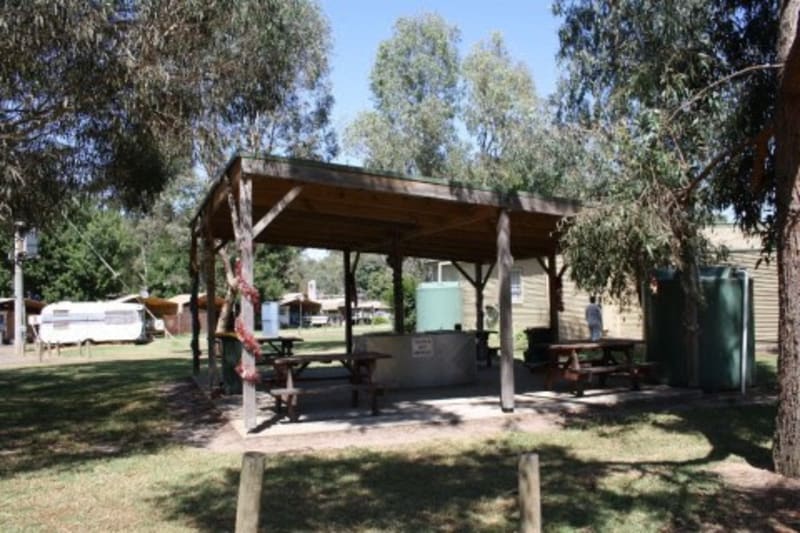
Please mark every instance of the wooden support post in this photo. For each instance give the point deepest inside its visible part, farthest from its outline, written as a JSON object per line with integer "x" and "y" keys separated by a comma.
{"x": 504, "y": 263}
{"x": 194, "y": 273}
{"x": 530, "y": 501}
{"x": 247, "y": 313}
{"x": 554, "y": 292}
{"x": 248, "y": 503}
{"x": 396, "y": 262}
{"x": 478, "y": 296}
{"x": 194, "y": 308}
{"x": 211, "y": 307}
{"x": 348, "y": 303}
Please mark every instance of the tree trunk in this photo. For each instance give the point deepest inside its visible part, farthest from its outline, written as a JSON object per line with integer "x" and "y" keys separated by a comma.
{"x": 786, "y": 448}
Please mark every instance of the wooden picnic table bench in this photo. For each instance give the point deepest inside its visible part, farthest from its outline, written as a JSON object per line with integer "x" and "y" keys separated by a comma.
{"x": 287, "y": 384}
{"x": 564, "y": 362}
{"x": 278, "y": 346}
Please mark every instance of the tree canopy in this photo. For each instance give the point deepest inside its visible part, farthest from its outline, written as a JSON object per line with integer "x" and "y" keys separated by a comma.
{"x": 414, "y": 84}
{"x": 677, "y": 94}
{"x": 711, "y": 92}
{"x": 113, "y": 99}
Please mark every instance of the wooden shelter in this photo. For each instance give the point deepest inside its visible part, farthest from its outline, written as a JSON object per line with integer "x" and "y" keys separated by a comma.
{"x": 157, "y": 307}
{"x": 310, "y": 204}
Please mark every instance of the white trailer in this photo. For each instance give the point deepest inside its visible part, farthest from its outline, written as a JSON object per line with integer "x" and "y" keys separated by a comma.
{"x": 78, "y": 322}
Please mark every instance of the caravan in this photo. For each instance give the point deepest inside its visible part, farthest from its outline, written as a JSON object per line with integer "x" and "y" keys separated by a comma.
{"x": 77, "y": 322}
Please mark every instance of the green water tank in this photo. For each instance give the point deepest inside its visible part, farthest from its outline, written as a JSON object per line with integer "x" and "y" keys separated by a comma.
{"x": 721, "y": 322}
{"x": 438, "y": 306}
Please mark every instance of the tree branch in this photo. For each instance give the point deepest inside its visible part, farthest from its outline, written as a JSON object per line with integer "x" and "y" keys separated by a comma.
{"x": 697, "y": 96}
{"x": 761, "y": 138}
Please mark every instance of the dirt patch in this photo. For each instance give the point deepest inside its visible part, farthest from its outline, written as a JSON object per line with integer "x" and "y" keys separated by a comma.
{"x": 199, "y": 422}
{"x": 762, "y": 497}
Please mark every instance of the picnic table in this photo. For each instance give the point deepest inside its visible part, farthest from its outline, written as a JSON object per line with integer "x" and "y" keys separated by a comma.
{"x": 278, "y": 346}
{"x": 288, "y": 382}
{"x": 564, "y": 362}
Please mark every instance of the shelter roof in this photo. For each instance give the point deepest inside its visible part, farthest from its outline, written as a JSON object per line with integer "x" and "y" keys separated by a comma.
{"x": 183, "y": 300}
{"x": 31, "y": 306}
{"x": 158, "y": 306}
{"x": 348, "y": 208}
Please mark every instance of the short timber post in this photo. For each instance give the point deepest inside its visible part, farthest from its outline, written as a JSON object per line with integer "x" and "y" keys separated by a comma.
{"x": 504, "y": 262}
{"x": 530, "y": 501}
{"x": 248, "y": 504}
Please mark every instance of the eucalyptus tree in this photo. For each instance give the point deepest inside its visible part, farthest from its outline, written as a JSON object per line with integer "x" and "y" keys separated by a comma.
{"x": 517, "y": 143}
{"x": 500, "y": 111}
{"x": 414, "y": 84}
{"x": 711, "y": 88}
{"x": 114, "y": 98}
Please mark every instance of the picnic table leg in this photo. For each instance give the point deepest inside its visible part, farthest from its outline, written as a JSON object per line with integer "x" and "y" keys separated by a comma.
{"x": 292, "y": 407}
{"x": 552, "y": 368}
{"x": 575, "y": 365}
{"x": 374, "y": 401}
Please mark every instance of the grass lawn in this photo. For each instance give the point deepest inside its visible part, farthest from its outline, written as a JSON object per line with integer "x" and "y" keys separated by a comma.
{"x": 89, "y": 446}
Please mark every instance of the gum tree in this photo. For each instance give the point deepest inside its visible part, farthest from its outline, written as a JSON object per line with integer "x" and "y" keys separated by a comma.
{"x": 709, "y": 90}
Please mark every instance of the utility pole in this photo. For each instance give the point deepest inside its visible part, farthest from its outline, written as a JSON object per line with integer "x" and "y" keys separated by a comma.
{"x": 19, "y": 296}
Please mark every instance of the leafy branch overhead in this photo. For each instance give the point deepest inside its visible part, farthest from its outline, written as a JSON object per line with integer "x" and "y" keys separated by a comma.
{"x": 115, "y": 98}
{"x": 683, "y": 93}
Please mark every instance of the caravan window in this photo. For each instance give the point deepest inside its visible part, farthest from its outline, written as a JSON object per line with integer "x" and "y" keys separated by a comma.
{"x": 121, "y": 317}
{"x": 61, "y": 318}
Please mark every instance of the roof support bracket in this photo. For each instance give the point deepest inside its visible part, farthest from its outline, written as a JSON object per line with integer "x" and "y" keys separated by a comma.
{"x": 276, "y": 210}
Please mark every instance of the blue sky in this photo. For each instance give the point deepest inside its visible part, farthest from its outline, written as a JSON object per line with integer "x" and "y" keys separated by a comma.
{"x": 358, "y": 27}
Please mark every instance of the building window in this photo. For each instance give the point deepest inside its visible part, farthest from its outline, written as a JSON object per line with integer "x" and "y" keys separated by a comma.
{"x": 516, "y": 285}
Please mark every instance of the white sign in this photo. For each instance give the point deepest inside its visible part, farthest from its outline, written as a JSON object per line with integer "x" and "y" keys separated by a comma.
{"x": 421, "y": 346}
{"x": 31, "y": 245}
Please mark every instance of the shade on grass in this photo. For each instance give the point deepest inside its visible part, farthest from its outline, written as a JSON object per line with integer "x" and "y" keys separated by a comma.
{"x": 90, "y": 447}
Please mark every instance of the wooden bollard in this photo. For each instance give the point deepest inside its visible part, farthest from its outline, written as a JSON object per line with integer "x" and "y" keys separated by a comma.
{"x": 530, "y": 502}
{"x": 248, "y": 505}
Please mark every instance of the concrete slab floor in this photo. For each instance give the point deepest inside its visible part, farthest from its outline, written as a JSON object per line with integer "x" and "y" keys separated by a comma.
{"x": 414, "y": 414}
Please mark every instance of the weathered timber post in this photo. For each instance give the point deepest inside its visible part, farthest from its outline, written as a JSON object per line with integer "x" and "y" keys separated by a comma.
{"x": 211, "y": 300}
{"x": 247, "y": 313}
{"x": 504, "y": 262}
{"x": 530, "y": 501}
{"x": 396, "y": 262}
{"x": 248, "y": 504}
{"x": 194, "y": 272}
{"x": 554, "y": 292}
{"x": 348, "y": 303}
{"x": 478, "y": 286}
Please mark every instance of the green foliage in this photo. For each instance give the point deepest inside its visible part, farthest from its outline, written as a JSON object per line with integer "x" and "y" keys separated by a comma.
{"x": 414, "y": 83}
{"x": 683, "y": 65}
{"x": 421, "y": 91}
{"x": 374, "y": 278}
{"x": 274, "y": 270}
{"x": 85, "y": 257}
{"x": 410, "y": 303}
{"x": 327, "y": 271}
{"x": 116, "y": 97}
{"x": 645, "y": 77}
{"x": 500, "y": 112}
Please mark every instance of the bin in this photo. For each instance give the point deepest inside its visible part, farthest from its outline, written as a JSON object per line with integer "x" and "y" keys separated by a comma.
{"x": 534, "y": 354}
{"x": 231, "y": 355}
